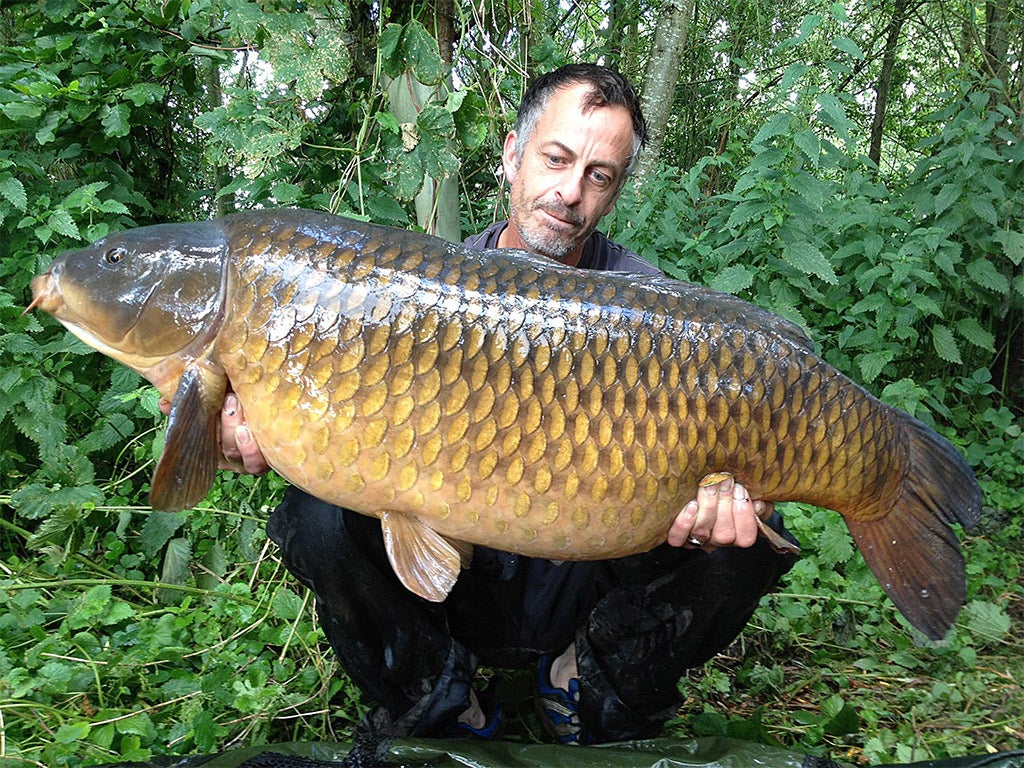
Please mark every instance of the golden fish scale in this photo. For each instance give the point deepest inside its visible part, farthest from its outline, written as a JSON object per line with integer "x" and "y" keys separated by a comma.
{"x": 522, "y": 405}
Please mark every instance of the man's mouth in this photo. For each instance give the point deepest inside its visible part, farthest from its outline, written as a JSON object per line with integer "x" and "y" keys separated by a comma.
{"x": 560, "y": 217}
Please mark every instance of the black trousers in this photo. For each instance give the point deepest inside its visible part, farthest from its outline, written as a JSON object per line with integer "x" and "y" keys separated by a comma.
{"x": 638, "y": 622}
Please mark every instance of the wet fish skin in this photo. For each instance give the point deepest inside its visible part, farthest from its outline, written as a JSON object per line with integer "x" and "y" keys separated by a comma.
{"x": 502, "y": 399}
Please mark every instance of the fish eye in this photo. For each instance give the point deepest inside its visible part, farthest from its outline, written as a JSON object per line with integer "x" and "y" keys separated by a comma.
{"x": 115, "y": 254}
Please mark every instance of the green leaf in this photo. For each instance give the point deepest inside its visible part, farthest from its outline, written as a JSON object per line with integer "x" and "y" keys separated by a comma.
{"x": 1013, "y": 244}
{"x": 733, "y": 279}
{"x": 947, "y": 196}
{"x": 141, "y": 94}
{"x": 287, "y": 605}
{"x": 945, "y": 345}
{"x": 834, "y": 544}
{"x": 72, "y": 733}
{"x": 175, "y": 569}
{"x": 972, "y": 330}
{"x": 988, "y": 620}
{"x": 747, "y": 211}
{"x": 808, "y": 143}
{"x": 12, "y": 190}
{"x": 35, "y": 501}
{"x": 984, "y": 208}
{"x": 810, "y": 260}
{"x": 848, "y": 46}
{"x": 833, "y": 114}
{"x": 414, "y": 50}
{"x": 872, "y": 363}
{"x": 158, "y": 529}
{"x": 22, "y": 111}
{"x": 60, "y": 221}
{"x": 90, "y": 607}
{"x": 984, "y": 273}
{"x": 286, "y": 193}
{"x": 926, "y": 304}
{"x": 115, "y": 120}
{"x": 778, "y": 125}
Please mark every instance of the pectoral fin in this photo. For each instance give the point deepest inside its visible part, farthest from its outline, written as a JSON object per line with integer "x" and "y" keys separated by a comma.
{"x": 425, "y": 561}
{"x": 188, "y": 465}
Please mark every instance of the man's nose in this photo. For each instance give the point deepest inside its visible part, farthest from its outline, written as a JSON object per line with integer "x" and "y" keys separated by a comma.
{"x": 570, "y": 190}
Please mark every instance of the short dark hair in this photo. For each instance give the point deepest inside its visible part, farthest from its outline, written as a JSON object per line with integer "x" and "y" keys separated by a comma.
{"x": 607, "y": 88}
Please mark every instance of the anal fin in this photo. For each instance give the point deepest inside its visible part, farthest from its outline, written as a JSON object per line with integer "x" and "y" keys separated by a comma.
{"x": 425, "y": 561}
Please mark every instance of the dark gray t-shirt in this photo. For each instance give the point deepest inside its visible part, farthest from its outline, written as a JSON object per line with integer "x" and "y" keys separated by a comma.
{"x": 598, "y": 252}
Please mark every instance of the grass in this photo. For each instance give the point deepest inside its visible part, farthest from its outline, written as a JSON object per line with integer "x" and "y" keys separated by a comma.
{"x": 101, "y": 659}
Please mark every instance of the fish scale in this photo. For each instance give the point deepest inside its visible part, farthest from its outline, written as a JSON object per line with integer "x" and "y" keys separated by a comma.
{"x": 498, "y": 398}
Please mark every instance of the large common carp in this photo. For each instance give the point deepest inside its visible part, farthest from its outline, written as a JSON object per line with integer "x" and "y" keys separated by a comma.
{"x": 497, "y": 398}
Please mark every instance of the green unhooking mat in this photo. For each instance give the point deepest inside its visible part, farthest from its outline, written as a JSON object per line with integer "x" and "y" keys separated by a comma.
{"x": 438, "y": 753}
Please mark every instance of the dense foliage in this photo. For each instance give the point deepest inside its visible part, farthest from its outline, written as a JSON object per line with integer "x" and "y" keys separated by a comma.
{"x": 126, "y": 633}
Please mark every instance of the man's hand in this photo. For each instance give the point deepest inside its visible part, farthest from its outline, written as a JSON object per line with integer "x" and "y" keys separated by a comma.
{"x": 241, "y": 453}
{"x": 722, "y": 515}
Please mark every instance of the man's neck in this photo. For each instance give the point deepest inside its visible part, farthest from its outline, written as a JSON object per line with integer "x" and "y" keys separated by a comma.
{"x": 510, "y": 238}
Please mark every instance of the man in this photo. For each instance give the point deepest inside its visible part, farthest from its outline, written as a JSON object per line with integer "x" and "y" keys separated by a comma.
{"x": 609, "y": 640}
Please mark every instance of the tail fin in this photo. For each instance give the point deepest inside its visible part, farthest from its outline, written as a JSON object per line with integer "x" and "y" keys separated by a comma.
{"x": 912, "y": 550}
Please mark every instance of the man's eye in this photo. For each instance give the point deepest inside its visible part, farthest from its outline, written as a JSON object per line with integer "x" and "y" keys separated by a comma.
{"x": 600, "y": 179}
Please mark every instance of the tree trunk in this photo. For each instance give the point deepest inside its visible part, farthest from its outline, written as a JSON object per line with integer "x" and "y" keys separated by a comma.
{"x": 223, "y": 204}
{"x": 662, "y": 75}
{"x": 997, "y": 42}
{"x": 899, "y": 16}
{"x": 437, "y": 203}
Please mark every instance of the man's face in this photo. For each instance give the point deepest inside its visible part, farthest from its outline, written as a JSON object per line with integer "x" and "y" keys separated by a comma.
{"x": 569, "y": 175}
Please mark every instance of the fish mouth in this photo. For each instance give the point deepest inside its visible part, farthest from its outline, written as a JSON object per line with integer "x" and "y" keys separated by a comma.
{"x": 45, "y": 295}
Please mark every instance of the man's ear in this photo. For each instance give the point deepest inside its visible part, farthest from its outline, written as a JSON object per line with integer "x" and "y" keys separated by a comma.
{"x": 510, "y": 157}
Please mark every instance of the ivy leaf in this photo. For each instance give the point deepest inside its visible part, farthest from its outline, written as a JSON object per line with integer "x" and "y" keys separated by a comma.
{"x": 945, "y": 345}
